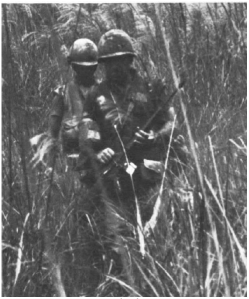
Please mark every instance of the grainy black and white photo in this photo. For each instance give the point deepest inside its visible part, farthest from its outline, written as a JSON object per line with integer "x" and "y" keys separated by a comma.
{"x": 124, "y": 149}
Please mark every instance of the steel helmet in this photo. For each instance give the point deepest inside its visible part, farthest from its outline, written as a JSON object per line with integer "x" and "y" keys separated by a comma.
{"x": 83, "y": 52}
{"x": 115, "y": 43}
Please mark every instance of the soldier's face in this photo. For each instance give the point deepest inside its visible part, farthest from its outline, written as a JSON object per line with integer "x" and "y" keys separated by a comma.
{"x": 85, "y": 74}
{"x": 117, "y": 69}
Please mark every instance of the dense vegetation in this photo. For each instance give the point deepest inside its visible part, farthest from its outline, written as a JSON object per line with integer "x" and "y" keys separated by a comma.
{"x": 199, "y": 245}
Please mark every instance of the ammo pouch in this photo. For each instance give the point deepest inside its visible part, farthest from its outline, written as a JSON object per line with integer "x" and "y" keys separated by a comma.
{"x": 89, "y": 131}
{"x": 151, "y": 170}
{"x": 70, "y": 136}
{"x": 75, "y": 132}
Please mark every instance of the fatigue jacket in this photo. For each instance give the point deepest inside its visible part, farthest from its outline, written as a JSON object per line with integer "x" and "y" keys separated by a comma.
{"x": 68, "y": 102}
{"x": 68, "y": 106}
{"x": 120, "y": 112}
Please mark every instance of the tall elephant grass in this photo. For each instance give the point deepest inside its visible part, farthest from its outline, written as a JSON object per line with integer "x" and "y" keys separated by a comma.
{"x": 198, "y": 247}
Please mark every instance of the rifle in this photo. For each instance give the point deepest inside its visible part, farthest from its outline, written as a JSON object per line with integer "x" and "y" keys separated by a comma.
{"x": 118, "y": 161}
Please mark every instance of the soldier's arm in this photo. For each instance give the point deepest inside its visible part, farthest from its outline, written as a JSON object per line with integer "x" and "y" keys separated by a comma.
{"x": 178, "y": 144}
{"x": 164, "y": 123}
{"x": 168, "y": 123}
{"x": 89, "y": 146}
{"x": 161, "y": 129}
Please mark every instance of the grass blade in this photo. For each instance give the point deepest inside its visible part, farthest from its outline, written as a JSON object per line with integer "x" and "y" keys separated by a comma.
{"x": 240, "y": 248}
{"x": 19, "y": 253}
{"x": 125, "y": 285}
{"x": 150, "y": 225}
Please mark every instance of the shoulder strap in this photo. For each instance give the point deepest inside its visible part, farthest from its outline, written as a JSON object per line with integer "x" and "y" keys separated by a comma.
{"x": 74, "y": 100}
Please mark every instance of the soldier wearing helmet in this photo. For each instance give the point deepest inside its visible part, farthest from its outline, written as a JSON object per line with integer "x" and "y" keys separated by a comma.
{"x": 121, "y": 104}
{"x": 68, "y": 103}
{"x": 66, "y": 122}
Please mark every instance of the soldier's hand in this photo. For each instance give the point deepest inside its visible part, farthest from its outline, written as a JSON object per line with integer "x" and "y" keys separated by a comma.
{"x": 105, "y": 155}
{"x": 144, "y": 138}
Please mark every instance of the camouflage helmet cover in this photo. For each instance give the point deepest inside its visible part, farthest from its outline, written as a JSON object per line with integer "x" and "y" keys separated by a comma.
{"x": 115, "y": 43}
{"x": 83, "y": 52}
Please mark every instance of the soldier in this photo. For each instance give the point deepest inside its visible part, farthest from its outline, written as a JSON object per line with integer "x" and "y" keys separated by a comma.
{"x": 68, "y": 103}
{"x": 66, "y": 123}
{"x": 121, "y": 104}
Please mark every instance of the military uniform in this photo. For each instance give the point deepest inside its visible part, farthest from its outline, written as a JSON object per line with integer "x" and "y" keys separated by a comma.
{"x": 66, "y": 124}
{"x": 118, "y": 113}
{"x": 121, "y": 105}
{"x": 68, "y": 107}
{"x": 122, "y": 111}
{"x": 68, "y": 103}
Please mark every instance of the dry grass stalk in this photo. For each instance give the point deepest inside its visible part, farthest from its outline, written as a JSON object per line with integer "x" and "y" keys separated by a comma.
{"x": 20, "y": 253}
{"x": 235, "y": 239}
{"x": 151, "y": 224}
